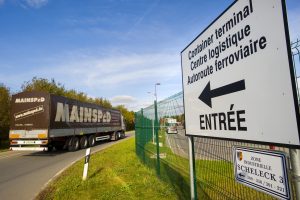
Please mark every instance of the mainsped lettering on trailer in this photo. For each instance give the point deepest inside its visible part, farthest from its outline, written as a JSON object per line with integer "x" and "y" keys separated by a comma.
{"x": 80, "y": 114}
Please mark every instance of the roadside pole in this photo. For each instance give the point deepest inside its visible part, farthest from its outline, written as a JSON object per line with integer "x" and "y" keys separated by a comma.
{"x": 193, "y": 184}
{"x": 157, "y": 140}
{"x": 86, "y": 163}
{"x": 295, "y": 161}
{"x": 143, "y": 134}
{"x": 152, "y": 131}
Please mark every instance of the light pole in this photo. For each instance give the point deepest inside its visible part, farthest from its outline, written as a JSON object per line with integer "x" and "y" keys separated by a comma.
{"x": 152, "y": 120}
{"x": 155, "y": 94}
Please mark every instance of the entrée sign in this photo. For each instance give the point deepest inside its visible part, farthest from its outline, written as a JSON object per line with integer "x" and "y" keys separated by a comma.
{"x": 238, "y": 79}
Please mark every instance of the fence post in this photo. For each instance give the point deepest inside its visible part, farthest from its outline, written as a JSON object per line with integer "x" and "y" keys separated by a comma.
{"x": 152, "y": 131}
{"x": 157, "y": 140}
{"x": 137, "y": 131}
{"x": 143, "y": 134}
{"x": 193, "y": 182}
{"x": 295, "y": 161}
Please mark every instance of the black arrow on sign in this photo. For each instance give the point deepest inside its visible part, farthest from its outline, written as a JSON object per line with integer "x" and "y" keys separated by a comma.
{"x": 207, "y": 94}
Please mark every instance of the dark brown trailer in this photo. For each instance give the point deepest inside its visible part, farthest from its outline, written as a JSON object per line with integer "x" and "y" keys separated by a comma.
{"x": 41, "y": 121}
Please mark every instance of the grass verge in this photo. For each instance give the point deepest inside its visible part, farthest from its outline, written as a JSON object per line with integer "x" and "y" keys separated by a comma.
{"x": 215, "y": 178}
{"x": 114, "y": 173}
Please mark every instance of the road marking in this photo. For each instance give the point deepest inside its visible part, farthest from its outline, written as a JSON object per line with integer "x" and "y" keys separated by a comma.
{"x": 181, "y": 149}
{"x": 176, "y": 146}
{"x": 170, "y": 144}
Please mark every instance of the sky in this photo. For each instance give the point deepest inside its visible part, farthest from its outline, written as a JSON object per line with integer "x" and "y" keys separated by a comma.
{"x": 115, "y": 49}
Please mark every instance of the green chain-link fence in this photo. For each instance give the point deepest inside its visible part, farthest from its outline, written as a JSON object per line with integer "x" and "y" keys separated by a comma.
{"x": 164, "y": 135}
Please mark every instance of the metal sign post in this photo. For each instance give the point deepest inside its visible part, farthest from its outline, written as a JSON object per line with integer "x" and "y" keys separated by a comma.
{"x": 193, "y": 184}
{"x": 295, "y": 161}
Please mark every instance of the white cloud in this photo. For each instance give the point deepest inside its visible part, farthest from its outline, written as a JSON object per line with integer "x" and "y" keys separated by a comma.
{"x": 115, "y": 70}
{"x": 123, "y": 99}
{"x": 128, "y": 101}
{"x": 33, "y": 3}
{"x": 123, "y": 78}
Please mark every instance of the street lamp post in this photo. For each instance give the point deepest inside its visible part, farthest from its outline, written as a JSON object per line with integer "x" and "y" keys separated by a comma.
{"x": 155, "y": 95}
{"x": 152, "y": 120}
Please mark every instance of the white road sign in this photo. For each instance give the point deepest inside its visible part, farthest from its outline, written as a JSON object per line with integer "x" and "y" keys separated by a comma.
{"x": 262, "y": 170}
{"x": 238, "y": 79}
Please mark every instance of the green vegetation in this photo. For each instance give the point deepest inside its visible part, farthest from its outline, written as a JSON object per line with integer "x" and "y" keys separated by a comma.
{"x": 128, "y": 116}
{"x": 4, "y": 116}
{"x": 41, "y": 84}
{"x": 215, "y": 178}
{"x": 114, "y": 173}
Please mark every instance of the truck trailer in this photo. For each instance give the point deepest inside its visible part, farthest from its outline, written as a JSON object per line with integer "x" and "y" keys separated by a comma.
{"x": 43, "y": 121}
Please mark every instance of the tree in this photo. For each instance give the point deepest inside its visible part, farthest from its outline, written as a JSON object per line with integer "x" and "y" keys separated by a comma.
{"x": 103, "y": 102}
{"x": 4, "y": 112}
{"x": 41, "y": 84}
{"x": 53, "y": 87}
{"x": 128, "y": 116}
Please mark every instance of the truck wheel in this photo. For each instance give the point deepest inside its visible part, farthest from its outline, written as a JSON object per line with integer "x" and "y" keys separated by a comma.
{"x": 76, "y": 143}
{"x": 66, "y": 145}
{"x": 116, "y": 136}
{"x": 83, "y": 142}
{"x": 70, "y": 144}
{"x": 73, "y": 144}
{"x": 91, "y": 140}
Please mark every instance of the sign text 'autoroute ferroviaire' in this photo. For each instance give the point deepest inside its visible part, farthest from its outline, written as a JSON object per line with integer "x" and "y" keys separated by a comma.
{"x": 237, "y": 76}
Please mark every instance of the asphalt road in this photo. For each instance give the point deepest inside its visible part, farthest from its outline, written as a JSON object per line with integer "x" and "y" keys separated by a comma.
{"x": 178, "y": 143}
{"x": 24, "y": 174}
{"x": 204, "y": 148}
